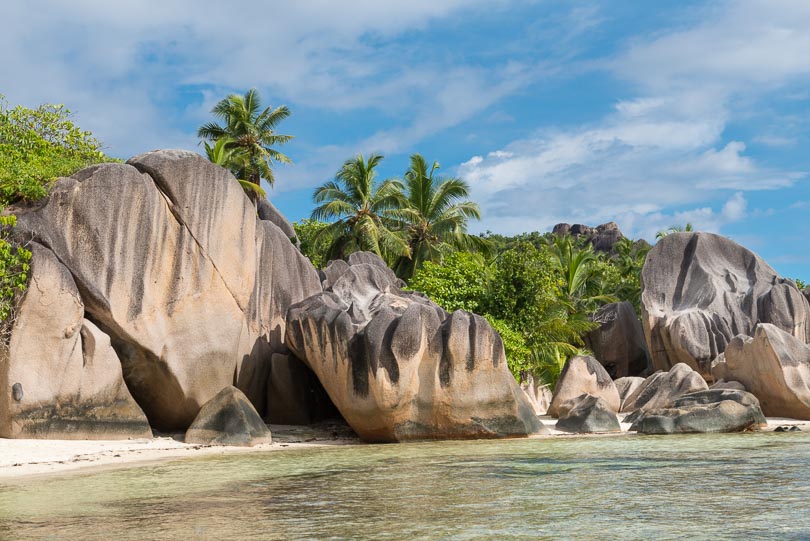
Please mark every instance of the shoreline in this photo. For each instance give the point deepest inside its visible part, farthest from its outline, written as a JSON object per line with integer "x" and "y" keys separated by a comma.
{"x": 22, "y": 459}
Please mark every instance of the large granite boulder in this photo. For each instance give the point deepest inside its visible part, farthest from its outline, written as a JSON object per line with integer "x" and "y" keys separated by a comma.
{"x": 662, "y": 388}
{"x": 618, "y": 343}
{"x": 587, "y": 414}
{"x": 228, "y": 419}
{"x": 398, "y": 367}
{"x": 583, "y": 375}
{"x": 699, "y": 290}
{"x": 171, "y": 260}
{"x": 772, "y": 365}
{"x": 59, "y": 376}
{"x": 713, "y": 410}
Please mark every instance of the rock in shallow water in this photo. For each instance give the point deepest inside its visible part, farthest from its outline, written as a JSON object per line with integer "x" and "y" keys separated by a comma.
{"x": 583, "y": 375}
{"x": 699, "y": 290}
{"x": 661, "y": 389}
{"x": 587, "y": 414}
{"x": 713, "y": 410}
{"x": 398, "y": 367}
{"x": 228, "y": 419}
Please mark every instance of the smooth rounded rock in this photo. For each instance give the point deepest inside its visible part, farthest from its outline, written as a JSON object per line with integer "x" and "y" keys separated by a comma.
{"x": 583, "y": 375}
{"x": 228, "y": 419}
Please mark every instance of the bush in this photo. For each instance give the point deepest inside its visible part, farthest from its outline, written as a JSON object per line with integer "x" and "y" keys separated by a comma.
{"x": 15, "y": 263}
{"x": 38, "y": 146}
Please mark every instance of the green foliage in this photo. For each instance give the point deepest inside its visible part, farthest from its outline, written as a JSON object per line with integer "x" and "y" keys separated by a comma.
{"x": 313, "y": 245}
{"x": 14, "y": 267}
{"x": 244, "y": 143}
{"x": 458, "y": 283}
{"x": 674, "y": 229}
{"x": 37, "y": 146}
{"x": 801, "y": 284}
{"x": 434, "y": 217}
{"x": 518, "y": 353}
{"x": 363, "y": 211}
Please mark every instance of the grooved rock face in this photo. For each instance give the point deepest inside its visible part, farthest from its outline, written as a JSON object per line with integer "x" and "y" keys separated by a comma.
{"x": 699, "y": 290}
{"x": 618, "y": 344}
{"x": 626, "y": 387}
{"x": 59, "y": 377}
{"x": 662, "y": 388}
{"x": 398, "y": 367}
{"x": 228, "y": 419}
{"x": 583, "y": 375}
{"x": 172, "y": 262}
{"x": 773, "y": 366}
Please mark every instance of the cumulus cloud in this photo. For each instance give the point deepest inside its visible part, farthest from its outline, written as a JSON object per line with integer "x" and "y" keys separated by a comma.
{"x": 125, "y": 66}
{"x": 661, "y": 158}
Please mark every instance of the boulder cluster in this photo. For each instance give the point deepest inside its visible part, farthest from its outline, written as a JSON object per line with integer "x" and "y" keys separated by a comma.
{"x": 162, "y": 298}
{"x": 727, "y": 338}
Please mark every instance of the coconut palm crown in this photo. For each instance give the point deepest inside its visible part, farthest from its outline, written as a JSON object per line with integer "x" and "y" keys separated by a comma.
{"x": 362, "y": 209}
{"x": 435, "y": 216}
{"x": 250, "y": 135}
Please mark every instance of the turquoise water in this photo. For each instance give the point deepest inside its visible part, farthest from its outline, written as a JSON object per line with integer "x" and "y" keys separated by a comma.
{"x": 743, "y": 486}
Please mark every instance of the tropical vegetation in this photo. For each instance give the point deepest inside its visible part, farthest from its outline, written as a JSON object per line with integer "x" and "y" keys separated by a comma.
{"x": 539, "y": 291}
{"x": 36, "y": 147}
{"x": 246, "y": 140}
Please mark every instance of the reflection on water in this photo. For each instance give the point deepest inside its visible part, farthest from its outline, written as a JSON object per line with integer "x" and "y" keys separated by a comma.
{"x": 745, "y": 486}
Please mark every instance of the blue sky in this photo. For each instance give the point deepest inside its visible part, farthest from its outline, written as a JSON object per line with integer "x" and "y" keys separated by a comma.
{"x": 650, "y": 114}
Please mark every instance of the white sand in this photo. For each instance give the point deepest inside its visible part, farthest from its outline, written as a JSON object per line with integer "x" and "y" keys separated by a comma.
{"x": 25, "y": 458}
{"x": 20, "y": 459}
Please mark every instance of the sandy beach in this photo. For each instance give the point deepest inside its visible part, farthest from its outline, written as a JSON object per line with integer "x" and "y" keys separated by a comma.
{"x": 21, "y": 459}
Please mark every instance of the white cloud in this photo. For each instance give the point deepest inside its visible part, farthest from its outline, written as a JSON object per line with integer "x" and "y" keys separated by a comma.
{"x": 660, "y": 159}
{"x": 123, "y": 65}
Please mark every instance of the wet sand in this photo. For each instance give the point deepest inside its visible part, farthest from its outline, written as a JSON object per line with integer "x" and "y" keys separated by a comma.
{"x": 21, "y": 459}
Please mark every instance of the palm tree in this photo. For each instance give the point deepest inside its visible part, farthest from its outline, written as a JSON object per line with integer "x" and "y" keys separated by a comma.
{"x": 435, "y": 217}
{"x": 674, "y": 229}
{"x": 579, "y": 285}
{"x": 251, "y": 135}
{"x": 228, "y": 157}
{"x": 362, "y": 210}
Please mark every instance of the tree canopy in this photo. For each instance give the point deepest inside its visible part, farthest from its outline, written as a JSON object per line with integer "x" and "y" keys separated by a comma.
{"x": 247, "y": 138}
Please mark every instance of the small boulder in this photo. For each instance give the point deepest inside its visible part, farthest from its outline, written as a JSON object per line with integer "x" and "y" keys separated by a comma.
{"x": 774, "y": 366}
{"x": 662, "y": 388}
{"x": 713, "y": 410}
{"x": 228, "y": 419}
{"x": 583, "y": 375}
{"x": 587, "y": 414}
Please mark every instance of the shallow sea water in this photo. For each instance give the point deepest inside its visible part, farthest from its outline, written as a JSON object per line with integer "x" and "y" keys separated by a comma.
{"x": 740, "y": 486}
